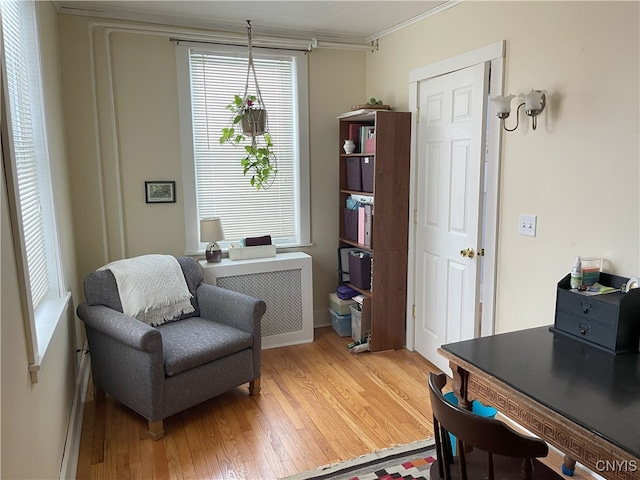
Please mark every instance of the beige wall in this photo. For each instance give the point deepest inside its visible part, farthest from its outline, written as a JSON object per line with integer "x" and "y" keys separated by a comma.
{"x": 579, "y": 171}
{"x": 35, "y": 416}
{"x": 336, "y": 81}
{"x": 138, "y": 136}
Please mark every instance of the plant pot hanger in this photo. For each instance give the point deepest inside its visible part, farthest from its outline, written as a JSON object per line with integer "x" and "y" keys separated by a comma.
{"x": 254, "y": 119}
{"x": 250, "y": 117}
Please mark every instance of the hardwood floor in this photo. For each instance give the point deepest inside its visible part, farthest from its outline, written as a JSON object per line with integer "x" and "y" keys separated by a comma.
{"x": 319, "y": 404}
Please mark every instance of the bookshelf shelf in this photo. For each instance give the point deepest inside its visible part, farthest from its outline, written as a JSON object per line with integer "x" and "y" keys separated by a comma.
{"x": 357, "y": 154}
{"x": 355, "y": 244}
{"x": 386, "y": 301}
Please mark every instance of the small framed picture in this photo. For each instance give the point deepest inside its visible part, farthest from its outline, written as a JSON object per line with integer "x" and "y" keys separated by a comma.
{"x": 160, "y": 192}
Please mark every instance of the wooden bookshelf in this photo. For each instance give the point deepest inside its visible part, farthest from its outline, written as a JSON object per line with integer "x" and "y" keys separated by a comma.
{"x": 390, "y": 229}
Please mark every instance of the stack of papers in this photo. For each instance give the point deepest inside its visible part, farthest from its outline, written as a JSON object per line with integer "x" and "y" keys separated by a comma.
{"x": 359, "y": 299}
{"x": 597, "y": 289}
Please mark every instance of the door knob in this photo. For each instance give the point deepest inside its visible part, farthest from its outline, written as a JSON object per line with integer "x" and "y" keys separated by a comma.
{"x": 467, "y": 252}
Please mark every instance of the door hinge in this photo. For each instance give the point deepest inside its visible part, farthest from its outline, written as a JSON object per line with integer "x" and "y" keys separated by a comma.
{"x": 415, "y": 217}
{"x": 413, "y": 311}
{"x": 417, "y": 114}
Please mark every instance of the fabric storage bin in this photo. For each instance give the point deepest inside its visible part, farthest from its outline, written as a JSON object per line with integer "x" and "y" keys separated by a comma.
{"x": 351, "y": 224}
{"x": 341, "y": 323}
{"x": 354, "y": 175}
{"x": 341, "y": 307}
{"x": 367, "y": 168}
{"x": 360, "y": 270}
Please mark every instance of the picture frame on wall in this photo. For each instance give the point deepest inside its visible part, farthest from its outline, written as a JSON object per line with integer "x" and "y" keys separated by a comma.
{"x": 160, "y": 192}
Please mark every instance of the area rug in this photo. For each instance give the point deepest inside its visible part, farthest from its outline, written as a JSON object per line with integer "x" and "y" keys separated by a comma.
{"x": 408, "y": 462}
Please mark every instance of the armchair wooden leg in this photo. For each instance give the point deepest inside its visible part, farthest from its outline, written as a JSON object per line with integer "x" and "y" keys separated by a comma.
{"x": 156, "y": 430}
{"x": 254, "y": 386}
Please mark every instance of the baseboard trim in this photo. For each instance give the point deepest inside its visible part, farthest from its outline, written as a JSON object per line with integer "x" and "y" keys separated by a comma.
{"x": 321, "y": 318}
{"x": 69, "y": 466}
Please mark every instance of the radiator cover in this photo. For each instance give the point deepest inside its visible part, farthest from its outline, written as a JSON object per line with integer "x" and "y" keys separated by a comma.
{"x": 284, "y": 282}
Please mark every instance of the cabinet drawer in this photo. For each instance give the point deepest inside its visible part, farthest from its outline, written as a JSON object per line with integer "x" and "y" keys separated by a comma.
{"x": 589, "y": 308}
{"x": 586, "y": 329}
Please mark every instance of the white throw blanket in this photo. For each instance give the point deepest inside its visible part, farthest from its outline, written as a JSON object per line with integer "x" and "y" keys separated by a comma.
{"x": 152, "y": 288}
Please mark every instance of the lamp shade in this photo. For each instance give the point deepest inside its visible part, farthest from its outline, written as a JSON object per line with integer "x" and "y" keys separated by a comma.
{"x": 503, "y": 104}
{"x": 211, "y": 230}
{"x": 534, "y": 101}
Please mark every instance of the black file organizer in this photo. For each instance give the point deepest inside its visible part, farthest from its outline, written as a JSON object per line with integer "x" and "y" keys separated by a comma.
{"x": 609, "y": 321}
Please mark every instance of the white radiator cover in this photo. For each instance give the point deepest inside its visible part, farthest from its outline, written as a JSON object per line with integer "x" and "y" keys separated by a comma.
{"x": 284, "y": 282}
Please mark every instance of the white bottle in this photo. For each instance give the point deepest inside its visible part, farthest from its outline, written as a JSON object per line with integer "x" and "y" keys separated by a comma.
{"x": 576, "y": 274}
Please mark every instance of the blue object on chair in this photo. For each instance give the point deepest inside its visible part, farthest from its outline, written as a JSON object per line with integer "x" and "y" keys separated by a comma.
{"x": 476, "y": 407}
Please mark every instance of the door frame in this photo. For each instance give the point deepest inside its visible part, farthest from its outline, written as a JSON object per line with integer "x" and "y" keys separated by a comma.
{"x": 494, "y": 54}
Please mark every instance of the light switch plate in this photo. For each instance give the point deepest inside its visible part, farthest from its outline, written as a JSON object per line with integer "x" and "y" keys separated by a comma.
{"x": 527, "y": 225}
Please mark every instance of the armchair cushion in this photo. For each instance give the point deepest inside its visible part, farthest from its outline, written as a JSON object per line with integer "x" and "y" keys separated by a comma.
{"x": 196, "y": 341}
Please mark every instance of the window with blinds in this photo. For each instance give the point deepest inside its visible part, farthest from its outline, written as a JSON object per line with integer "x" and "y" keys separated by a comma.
{"x": 28, "y": 175}
{"x": 221, "y": 189}
{"x": 28, "y": 147}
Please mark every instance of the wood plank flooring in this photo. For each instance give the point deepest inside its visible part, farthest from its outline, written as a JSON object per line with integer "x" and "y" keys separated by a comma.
{"x": 319, "y": 404}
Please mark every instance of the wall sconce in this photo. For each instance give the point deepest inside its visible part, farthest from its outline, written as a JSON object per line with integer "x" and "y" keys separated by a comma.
{"x": 211, "y": 232}
{"x": 534, "y": 103}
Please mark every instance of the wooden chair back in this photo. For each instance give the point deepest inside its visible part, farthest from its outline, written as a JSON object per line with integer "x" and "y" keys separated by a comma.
{"x": 487, "y": 434}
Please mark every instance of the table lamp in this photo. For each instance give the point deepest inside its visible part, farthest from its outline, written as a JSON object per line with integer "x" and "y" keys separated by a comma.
{"x": 211, "y": 232}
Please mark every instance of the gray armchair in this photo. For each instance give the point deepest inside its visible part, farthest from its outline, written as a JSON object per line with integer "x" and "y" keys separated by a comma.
{"x": 160, "y": 371}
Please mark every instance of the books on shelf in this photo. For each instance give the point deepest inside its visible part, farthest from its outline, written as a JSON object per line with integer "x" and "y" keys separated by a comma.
{"x": 368, "y": 221}
{"x": 365, "y": 219}
{"x": 358, "y": 222}
{"x": 367, "y": 139}
{"x": 363, "y": 136}
{"x": 369, "y": 135}
{"x": 354, "y": 134}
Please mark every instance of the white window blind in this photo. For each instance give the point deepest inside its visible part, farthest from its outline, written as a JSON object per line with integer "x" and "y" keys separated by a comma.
{"x": 221, "y": 189}
{"x": 28, "y": 175}
{"x": 28, "y": 149}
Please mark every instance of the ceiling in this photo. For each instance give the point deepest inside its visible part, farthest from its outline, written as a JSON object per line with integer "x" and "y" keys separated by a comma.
{"x": 350, "y": 21}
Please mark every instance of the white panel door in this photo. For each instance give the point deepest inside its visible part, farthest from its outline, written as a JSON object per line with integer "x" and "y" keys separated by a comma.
{"x": 450, "y": 154}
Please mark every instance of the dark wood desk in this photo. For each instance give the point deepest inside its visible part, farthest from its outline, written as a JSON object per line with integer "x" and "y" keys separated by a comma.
{"x": 580, "y": 399}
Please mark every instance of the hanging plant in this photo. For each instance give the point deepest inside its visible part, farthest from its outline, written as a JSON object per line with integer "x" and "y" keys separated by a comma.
{"x": 250, "y": 121}
{"x": 249, "y": 115}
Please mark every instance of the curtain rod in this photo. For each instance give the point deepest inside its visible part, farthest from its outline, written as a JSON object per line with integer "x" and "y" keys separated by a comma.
{"x": 237, "y": 43}
{"x": 277, "y": 43}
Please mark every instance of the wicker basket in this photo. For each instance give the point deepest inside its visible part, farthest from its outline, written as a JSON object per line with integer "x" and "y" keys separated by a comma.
{"x": 368, "y": 106}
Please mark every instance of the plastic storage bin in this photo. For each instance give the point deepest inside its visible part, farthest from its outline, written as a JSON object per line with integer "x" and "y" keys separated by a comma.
{"x": 476, "y": 407}
{"x": 341, "y": 323}
{"x": 360, "y": 324}
{"x": 341, "y": 307}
